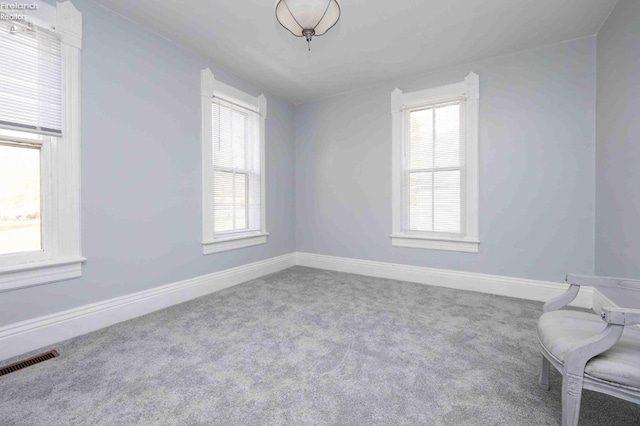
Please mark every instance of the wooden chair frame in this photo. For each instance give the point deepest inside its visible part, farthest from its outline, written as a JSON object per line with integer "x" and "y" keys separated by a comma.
{"x": 573, "y": 378}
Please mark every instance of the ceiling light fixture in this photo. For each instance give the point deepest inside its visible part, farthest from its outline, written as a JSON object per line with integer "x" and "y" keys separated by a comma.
{"x": 308, "y": 18}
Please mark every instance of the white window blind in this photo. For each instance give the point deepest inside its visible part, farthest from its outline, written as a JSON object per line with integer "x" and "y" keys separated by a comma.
{"x": 30, "y": 79}
{"x": 236, "y": 168}
{"x": 433, "y": 168}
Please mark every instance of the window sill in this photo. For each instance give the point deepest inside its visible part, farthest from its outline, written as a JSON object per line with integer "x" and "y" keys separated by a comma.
{"x": 234, "y": 242}
{"x": 37, "y": 273}
{"x": 434, "y": 243}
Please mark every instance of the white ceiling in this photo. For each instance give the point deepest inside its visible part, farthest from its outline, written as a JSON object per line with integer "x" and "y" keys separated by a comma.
{"x": 374, "y": 40}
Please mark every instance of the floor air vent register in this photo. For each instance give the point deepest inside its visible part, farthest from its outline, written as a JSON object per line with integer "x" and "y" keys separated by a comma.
{"x": 28, "y": 362}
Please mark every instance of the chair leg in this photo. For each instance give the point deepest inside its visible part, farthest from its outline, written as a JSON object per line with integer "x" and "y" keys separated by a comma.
{"x": 571, "y": 396}
{"x": 544, "y": 374}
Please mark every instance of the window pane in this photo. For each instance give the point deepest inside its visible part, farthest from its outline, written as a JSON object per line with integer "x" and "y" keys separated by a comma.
{"x": 447, "y": 119}
{"x": 239, "y": 137}
{"x": 420, "y": 201}
{"x": 20, "y": 207}
{"x": 230, "y": 201}
{"x": 241, "y": 201}
{"x": 421, "y": 139}
{"x": 253, "y": 201}
{"x": 229, "y": 132}
{"x": 447, "y": 201}
{"x": 222, "y": 146}
{"x": 223, "y": 201}
{"x": 223, "y": 218}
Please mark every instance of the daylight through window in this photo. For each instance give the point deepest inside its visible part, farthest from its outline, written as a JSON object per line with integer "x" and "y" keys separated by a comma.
{"x": 236, "y": 178}
{"x": 20, "y": 202}
{"x": 435, "y": 167}
{"x": 233, "y": 167}
{"x": 40, "y": 146}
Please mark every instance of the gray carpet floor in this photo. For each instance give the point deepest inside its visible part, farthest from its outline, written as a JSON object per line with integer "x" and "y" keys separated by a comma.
{"x": 307, "y": 347}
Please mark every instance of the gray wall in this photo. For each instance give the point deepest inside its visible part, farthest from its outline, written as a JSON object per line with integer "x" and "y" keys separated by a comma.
{"x": 618, "y": 143}
{"x": 141, "y": 174}
{"x": 537, "y": 150}
{"x": 141, "y": 201}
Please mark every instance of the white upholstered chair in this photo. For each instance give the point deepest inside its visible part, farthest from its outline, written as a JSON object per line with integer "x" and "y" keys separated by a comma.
{"x": 595, "y": 352}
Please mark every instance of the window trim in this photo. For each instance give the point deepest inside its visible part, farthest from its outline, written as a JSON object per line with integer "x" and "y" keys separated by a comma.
{"x": 65, "y": 260}
{"x": 400, "y": 101}
{"x": 211, "y": 243}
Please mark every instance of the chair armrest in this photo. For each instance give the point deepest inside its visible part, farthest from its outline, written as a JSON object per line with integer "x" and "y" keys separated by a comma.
{"x": 621, "y": 316}
{"x": 580, "y": 353}
{"x": 576, "y": 281}
{"x": 602, "y": 281}
{"x": 563, "y": 300}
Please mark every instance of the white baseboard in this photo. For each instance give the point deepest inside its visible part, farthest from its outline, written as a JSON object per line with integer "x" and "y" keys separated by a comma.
{"x": 25, "y": 336}
{"x": 32, "y": 334}
{"x": 492, "y": 284}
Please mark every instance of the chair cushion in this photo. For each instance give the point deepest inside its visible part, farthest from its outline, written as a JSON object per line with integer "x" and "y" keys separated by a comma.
{"x": 559, "y": 330}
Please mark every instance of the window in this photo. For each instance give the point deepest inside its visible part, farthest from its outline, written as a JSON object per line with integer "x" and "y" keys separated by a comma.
{"x": 233, "y": 167}
{"x": 435, "y": 167}
{"x": 39, "y": 147}
{"x": 21, "y": 203}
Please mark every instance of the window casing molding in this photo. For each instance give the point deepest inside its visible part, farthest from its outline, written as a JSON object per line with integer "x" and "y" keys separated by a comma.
{"x": 468, "y": 240}
{"x": 212, "y": 242}
{"x": 61, "y": 257}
